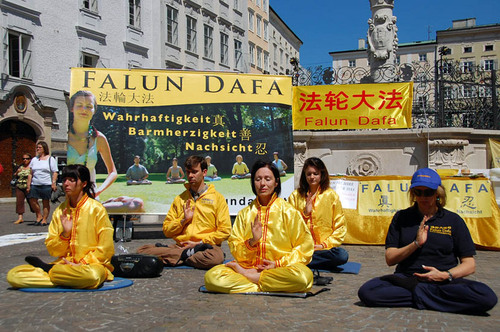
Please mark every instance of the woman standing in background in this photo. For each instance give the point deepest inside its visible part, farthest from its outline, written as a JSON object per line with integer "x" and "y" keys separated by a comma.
{"x": 22, "y": 175}
{"x": 42, "y": 182}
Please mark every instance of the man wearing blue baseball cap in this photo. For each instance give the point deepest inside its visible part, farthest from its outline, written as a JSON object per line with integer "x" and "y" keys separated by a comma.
{"x": 433, "y": 250}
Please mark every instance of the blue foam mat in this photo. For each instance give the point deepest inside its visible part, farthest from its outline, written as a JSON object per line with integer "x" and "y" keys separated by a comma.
{"x": 108, "y": 285}
{"x": 203, "y": 289}
{"x": 349, "y": 267}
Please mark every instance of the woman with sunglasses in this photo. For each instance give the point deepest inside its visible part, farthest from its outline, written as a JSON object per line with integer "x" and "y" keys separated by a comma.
{"x": 433, "y": 250}
{"x": 22, "y": 175}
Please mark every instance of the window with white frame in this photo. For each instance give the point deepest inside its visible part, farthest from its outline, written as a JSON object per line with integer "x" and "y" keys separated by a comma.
{"x": 208, "y": 41}
{"x": 250, "y": 20}
{"x": 447, "y": 67}
{"x": 467, "y": 91}
{"x": 88, "y": 60}
{"x": 266, "y": 30}
{"x": 259, "y": 25}
{"x": 488, "y": 64}
{"x": 281, "y": 56}
{"x": 485, "y": 92}
{"x": 266, "y": 61}
{"x": 224, "y": 48}
{"x": 488, "y": 48}
{"x": 352, "y": 63}
{"x": 134, "y": 12}
{"x": 422, "y": 57}
{"x": 259, "y": 57}
{"x": 448, "y": 92}
{"x": 191, "y": 34}
{"x": 467, "y": 49}
{"x": 90, "y": 5}
{"x": 251, "y": 50}
{"x": 275, "y": 53}
{"x": 18, "y": 54}
{"x": 172, "y": 26}
{"x": 467, "y": 66}
{"x": 237, "y": 54}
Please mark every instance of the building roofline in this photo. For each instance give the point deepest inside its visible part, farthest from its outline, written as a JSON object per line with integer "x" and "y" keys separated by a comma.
{"x": 402, "y": 45}
{"x": 484, "y": 26}
{"x": 286, "y": 25}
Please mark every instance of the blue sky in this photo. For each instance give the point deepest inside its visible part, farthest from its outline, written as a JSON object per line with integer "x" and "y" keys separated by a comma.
{"x": 336, "y": 25}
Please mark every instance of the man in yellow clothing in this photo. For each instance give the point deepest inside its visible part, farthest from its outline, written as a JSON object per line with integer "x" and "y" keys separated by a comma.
{"x": 198, "y": 221}
{"x": 80, "y": 235}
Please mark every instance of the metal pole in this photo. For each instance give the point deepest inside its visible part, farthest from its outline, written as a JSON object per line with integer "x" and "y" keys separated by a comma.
{"x": 496, "y": 118}
{"x": 441, "y": 94}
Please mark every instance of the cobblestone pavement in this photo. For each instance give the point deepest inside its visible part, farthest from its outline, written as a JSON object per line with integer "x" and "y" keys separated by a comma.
{"x": 172, "y": 301}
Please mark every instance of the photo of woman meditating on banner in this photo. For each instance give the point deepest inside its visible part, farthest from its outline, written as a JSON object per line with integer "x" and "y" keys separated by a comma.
{"x": 85, "y": 141}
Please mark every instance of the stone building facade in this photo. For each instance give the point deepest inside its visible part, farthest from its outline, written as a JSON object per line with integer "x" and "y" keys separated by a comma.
{"x": 43, "y": 40}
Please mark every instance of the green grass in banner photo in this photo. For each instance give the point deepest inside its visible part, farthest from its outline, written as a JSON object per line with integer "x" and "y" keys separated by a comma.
{"x": 158, "y": 196}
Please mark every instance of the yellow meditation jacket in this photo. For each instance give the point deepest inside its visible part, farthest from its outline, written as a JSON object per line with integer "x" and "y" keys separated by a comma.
{"x": 285, "y": 237}
{"x": 327, "y": 221}
{"x": 211, "y": 222}
{"x": 91, "y": 240}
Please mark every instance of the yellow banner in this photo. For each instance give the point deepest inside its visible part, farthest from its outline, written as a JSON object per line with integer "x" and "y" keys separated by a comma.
{"x": 472, "y": 199}
{"x": 354, "y": 106}
{"x": 469, "y": 199}
{"x": 383, "y": 197}
{"x": 495, "y": 153}
{"x": 139, "y": 87}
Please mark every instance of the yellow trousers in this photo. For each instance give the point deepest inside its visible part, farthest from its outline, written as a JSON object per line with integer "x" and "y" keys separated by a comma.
{"x": 83, "y": 276}
{"x": 295, "y": 278}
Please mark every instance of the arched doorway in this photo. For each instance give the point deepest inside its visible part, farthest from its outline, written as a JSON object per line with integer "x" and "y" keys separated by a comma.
{"x": 16, "y": 138}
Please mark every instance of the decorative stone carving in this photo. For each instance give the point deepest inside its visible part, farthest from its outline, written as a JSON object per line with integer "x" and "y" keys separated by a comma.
{"x": 447, "y": 153}
{"x": 299, "y": 150}
{"x": 364, "y": 164}
{"x": 382, "y": 38}
{"x": 439, "y": 143}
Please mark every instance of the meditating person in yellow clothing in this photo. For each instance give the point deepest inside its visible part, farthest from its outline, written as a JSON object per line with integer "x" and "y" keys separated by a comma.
{"x": 321, "y": 209}
{"x": 80, "y": 235}
{"x": 269, "y": 241}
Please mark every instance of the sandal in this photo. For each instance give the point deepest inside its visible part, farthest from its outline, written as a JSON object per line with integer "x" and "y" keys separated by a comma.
{"x": 18, "y": 221}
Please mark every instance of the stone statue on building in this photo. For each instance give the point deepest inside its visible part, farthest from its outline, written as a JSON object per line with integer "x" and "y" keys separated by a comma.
{"x": 382, "y": 40}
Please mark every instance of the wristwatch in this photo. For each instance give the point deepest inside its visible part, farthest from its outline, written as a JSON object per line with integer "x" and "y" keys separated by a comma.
{"x": 450, "y": 276}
